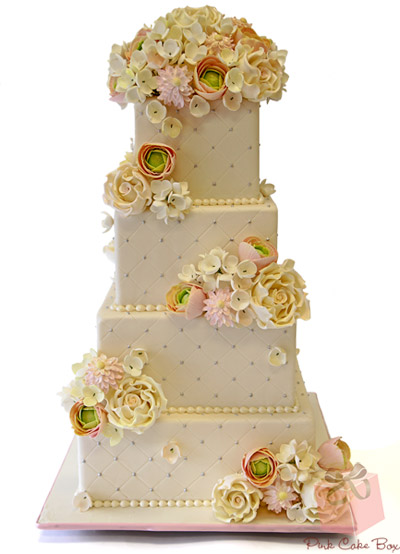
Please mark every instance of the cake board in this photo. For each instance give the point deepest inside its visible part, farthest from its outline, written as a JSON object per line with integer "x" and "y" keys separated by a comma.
{"x": 58, "y": 512}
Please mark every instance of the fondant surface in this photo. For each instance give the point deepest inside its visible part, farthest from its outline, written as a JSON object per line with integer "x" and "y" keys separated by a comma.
{"x": 149, "y": 254}
{"x": 218, "y": 155}
{"x": 198, "y": 365}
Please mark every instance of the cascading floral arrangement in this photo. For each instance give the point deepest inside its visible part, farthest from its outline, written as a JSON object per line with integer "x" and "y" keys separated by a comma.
{"x": 191, "y": 57}
{"x": 237, "y": 290}
{"x": 107, "y": 396}
{"x": 292, "y": 481}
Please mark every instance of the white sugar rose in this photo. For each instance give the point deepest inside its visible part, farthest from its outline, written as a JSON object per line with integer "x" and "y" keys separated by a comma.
{"x": 278, "y": 296}
{"x": 207, "y": 16}
{"x": 273, "y": 77}
{"x": 235, "y": 500}
{"x": 127, "y": 189}
{"x": 136, "y": 404}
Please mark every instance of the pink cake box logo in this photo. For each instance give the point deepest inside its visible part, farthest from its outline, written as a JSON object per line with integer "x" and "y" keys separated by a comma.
{"x": 355, "y": 502}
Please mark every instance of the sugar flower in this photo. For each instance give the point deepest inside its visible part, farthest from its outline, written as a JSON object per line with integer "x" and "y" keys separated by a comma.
{"x": 260, "y": 467}
{"x": 235, "y": 500}
{"x": 217, "y": 308}
{"x": 155, "y": 111}
{"x": 107, "y": 222}
{"x": 156, "y": 160}
{"x": 232, "y": 100}
{"x": 171, "y": 452}
{"x": 279, "y": 496}
{"x": 171, "y": 200}
{"x": 335, "y": 455}
{"x": 104, "y": 372}
{"x": 82, "y": 501}
{"x": 217, "y": 42}
{"x": 331, "y": 505}
{"x": 87, "y": 421}
{"x": 188, "y": 273}
{"x": 186, "y": 298}
{"x": 92, "y": 395}
{"x": 171, "y": 127}
{"x": 299, "y": 464}
{"x": 278, "y": 296}
{"x": 259, "y": 251}
{"x": 136, "y": 404}
{"x": 127, "y": 189}
{"x": 115, "y": 434}
{"x": 193, "y": 53}
{"x": 173, "y": 86}
{"x": 209, "y": 78}
{"x": 199, "y": 107}
{"x": 277, "y": 356}
{"x": 135, "y": 361}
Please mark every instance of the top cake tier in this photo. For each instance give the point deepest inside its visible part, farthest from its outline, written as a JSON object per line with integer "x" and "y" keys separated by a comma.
{"x": 217, "y": 155}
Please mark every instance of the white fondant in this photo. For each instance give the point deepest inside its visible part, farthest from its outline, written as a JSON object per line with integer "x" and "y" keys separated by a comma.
{"x": 212, "y": 446}
{"x": 149, "y": 255}
{"x": 218, "y": 155}
{"x": 198, "y": 365}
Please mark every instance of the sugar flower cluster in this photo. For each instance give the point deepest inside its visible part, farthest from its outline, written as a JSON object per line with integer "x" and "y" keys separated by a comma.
{"x": 194, "y": 56}
{"x": 235, "y": 290}
{"x": 107, "y": 396}
{"x": 140, "y": 182}
{"x": 290, "y": 481}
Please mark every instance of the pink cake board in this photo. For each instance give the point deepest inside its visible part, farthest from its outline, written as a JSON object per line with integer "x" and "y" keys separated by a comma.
{"x": 58, "y": 512}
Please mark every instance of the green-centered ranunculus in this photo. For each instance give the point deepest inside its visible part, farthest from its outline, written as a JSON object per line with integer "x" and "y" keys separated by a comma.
{"x": 263, "y": 250}
{"x": 261, "y": 468}
{"x": 87, "y": 420}
{"x": 156, "y": 160}
{"x": 212, "y": 78}
{"x": 182, "y": 296}
{"x": 88, "y": 417}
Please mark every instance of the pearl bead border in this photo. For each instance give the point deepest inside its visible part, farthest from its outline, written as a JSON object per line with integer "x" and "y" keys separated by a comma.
{"x": 229, "y": 201}
{"x": 151, "y": 503}
{"x": 139, "y": 308}
{"x": 233, "y": 409}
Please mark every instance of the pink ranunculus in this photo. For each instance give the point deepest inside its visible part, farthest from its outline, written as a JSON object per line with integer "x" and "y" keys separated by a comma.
{"x": 186, "y": 298}
{"x": 335, "y": 455}
{"x": 259, "y": 251}
{"x": 260, "y": 467}
{"x": 209, "y": 78}
{"x": 87, "y": 421}
{"x": 156, "y": 160}
{"x": 331, "y": 506}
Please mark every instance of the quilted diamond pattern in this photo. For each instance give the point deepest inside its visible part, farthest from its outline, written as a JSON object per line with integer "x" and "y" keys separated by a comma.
{"x": 212, "y": 447}
{"x": 217, "y": 155}
{"x": 198, "y": 365}
{"x": 150, "y": 254}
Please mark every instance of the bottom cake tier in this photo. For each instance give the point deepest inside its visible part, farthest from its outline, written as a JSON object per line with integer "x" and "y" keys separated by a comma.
{"x": 207, "y": 448}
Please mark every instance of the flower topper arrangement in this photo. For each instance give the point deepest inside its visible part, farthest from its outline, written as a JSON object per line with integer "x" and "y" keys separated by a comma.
{"x": 191, "y": 57}
{"x": 107, "y": 396}
{"x": 297, "y": 480}
{"x": 235, "y": 290}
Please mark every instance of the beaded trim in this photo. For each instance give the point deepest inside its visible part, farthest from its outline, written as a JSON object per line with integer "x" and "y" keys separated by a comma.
{"x": 138, "y": 308}
{"x": 233, "y": 410}
{"x": 228, "y": 201}
{"x": 151, "y": 503}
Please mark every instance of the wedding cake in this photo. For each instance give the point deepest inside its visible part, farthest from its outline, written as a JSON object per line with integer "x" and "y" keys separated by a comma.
{"x": 194, "y": 396}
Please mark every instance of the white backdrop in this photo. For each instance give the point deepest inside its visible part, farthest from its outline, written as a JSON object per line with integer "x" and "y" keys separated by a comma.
{"x": 331, "y": 147}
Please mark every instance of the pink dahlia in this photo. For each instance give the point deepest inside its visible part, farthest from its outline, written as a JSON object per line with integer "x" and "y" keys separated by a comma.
{"x": 218, "y": 308}
{"x": 279, "y": 496}
{"x": 104, "y": 372}
{"x": 173, "y": 85}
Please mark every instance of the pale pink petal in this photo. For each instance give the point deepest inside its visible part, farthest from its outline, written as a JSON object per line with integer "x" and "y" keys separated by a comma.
{"x": 195, "y": 306}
